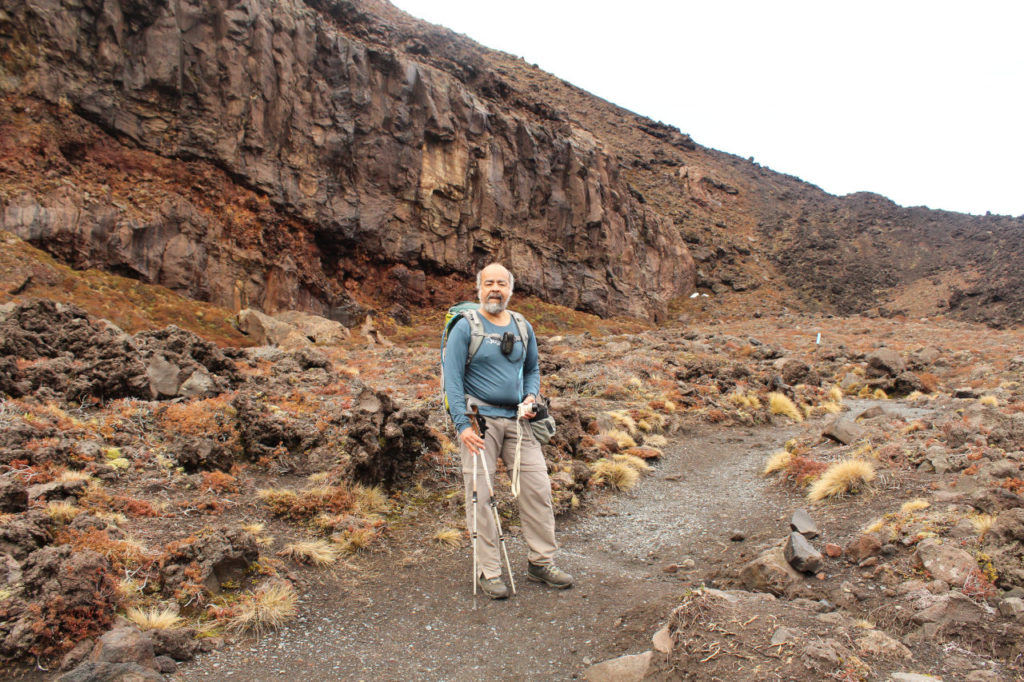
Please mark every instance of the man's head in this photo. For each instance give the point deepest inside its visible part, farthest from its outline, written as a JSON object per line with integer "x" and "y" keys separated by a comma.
{"x": 494, "y": 286}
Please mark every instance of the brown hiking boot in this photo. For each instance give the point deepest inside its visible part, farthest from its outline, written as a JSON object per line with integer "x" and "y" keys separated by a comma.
{"x": 550, "y": 574}
{"x": 494, "y": 588}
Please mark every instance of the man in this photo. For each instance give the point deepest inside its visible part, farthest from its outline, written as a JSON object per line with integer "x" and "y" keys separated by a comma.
{"x": 502, "y": 374}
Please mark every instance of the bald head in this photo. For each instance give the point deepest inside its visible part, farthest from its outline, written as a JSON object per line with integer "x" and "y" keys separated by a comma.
{"x": 494, "y": 286}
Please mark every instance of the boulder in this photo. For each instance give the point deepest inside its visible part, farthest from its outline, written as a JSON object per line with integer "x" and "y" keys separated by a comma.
{"x": 317, "y": 329}
{"x": 844, "y": 431}
{"x": 13, "y": 496}
{"x": 770, "y": 573}
{"x": 862, "y": 547}
{"x": 801, "y": 522}
{"x": 263, "y": 329}
{"x": 877, "y": 644}
{"x": 125, "y": 644}
{"x": 885, "y": 362}
{"x": 622, "y": 669}
{"x": 945, "y": 562}
{"x": 801, "y": 555}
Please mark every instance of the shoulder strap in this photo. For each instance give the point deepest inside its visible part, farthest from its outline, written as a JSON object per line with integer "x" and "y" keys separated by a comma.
{"x": 476, "y": 333}
{"x": 524, "y": 330}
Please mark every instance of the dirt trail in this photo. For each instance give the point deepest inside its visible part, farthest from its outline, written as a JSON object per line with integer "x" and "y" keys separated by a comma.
{"x": 418, "y": 620}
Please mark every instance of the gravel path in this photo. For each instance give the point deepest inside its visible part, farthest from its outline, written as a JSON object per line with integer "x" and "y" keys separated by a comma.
{"x": 415, "y": 618}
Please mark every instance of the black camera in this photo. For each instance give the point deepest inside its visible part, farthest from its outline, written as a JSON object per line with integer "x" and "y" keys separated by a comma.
{"x": 508, "y": 342}
{"x": 540, "y": 409}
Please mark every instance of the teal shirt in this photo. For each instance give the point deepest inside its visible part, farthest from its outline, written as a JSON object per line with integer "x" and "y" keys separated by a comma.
{"x": 491, "y": 376}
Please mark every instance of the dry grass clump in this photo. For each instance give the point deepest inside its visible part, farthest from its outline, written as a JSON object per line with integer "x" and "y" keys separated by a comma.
{"x": 618, "y": 475}
{"x": 779, "y": 403}
{"x": 369, "y": 500}
{"x": 777, "y": 462}
{"x": 353, "y": 540}
{"x": 633, "y": 461}
{"x": 656, "y": 441}
{"x": 154, "y": 618}
{"x": 983, "y": 523}
{"x": 623, "y": 439}
{"x": 842, "y": 477}
{"x": 265, "y": 609}
{"x": 300, "y": 505}
{"x": 315, "y": 552}
{"x": 879, "y": 394}
{"x": 62, "y": 511}
{"x": 449, "y": 537}
{"x": 835, "y": 394}
{"x": 914, "y": 505}
{"x": 71, "y": 475}
{"x": 989, "y": 400}
{"x": 623, "y": 420}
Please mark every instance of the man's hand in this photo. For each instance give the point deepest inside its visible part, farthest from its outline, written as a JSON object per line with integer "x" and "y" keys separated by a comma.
{"x": 473, "y": 442}
{"x": 526, "y": 408}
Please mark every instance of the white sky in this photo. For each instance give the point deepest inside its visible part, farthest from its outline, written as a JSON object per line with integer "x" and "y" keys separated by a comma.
{"x": 921, "y": 101}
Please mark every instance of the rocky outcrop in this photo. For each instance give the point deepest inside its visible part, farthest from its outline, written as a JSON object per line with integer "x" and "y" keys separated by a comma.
{"x": 373, "y": 151}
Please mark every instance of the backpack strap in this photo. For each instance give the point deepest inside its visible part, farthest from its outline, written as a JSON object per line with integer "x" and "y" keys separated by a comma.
{"x": 524, "y": 331}
{"x": 476, "y": 333}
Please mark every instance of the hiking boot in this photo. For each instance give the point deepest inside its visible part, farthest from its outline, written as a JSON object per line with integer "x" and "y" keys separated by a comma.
{"x": 494, "y": 588}
{"x": 550, "y": 574}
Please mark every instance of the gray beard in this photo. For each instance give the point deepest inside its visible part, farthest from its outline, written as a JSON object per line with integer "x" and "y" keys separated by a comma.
{"x": 493, "y": 307}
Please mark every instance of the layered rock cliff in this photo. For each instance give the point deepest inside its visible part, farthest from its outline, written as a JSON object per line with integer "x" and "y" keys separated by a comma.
{"x": 360, "y": 152}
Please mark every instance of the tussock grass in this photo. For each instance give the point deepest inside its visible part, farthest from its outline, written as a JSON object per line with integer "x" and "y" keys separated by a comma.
{"x": 449, "y": 537}
{"x": 154, "y": 618}
{"x": 779, "y": 403}
{"x": 70, "y": 475}
{"x": 983, "y": 523}
{"x": 370, "y": 500}
{"x": 315, "y": 552}
{"x": 265, "y": 609}
{"x": 633, "y": 461}
{"x": 622, "y": 420}
{"x": 355, "y": 539}
{"x": 914, "y": 505}
{"x": 622, "y": 439}
{"x": 832, "y": 407}
{"x": 777, "y": 462}
{"x": 62, "y": 511}
{"x": 989, "y": 400}
{"x": 656, "y": 441}
{"x": 617, "y": 475}
{"x": 300, "y": 505}
{"x": 835, "y": 395}
{"x": 879, "y": 394}
{"x": 914, "y": 426}
{"x": 875, "y": 526}
{"x": 842, "y": 477}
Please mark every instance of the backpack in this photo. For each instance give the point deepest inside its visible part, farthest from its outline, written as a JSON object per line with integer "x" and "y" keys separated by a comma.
{"x": 470, "y": 311}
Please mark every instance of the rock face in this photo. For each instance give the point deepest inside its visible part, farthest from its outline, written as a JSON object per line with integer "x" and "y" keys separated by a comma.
{"x": 372, "y": 150}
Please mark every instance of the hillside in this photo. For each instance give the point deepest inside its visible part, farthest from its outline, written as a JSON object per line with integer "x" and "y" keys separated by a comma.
{"x": 182, "y": 149}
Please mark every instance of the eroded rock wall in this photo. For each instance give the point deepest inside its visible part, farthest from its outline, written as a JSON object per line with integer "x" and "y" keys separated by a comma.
{"x": 370, "y": 149}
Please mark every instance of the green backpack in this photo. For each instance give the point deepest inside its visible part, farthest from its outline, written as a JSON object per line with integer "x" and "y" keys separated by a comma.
{"x": 470, "y": 311}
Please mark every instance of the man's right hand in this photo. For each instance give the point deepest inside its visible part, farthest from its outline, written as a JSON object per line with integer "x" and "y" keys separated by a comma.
{"x": 473, "y": 442}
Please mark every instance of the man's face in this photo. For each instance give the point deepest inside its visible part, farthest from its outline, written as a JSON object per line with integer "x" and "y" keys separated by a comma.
{"x": 495, "y": 290}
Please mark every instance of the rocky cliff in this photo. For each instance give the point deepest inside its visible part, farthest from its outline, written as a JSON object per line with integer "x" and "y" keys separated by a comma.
{"x": 294, "y": 154}
{"x": 345, "y": 150}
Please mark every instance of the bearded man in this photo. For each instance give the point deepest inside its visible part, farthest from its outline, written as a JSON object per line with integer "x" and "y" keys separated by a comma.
{"x": 502, "y": 375}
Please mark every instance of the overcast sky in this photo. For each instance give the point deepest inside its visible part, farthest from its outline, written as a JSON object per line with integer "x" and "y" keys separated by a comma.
{"x": 921, "y": 101}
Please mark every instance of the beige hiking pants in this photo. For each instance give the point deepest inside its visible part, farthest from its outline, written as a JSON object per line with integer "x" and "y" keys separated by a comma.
{"x": 536, "y": 513}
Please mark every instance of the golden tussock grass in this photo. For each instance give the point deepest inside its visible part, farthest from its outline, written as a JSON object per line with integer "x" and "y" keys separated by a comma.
{"x": 835, "y": 394}
{"x": 70, "y": 475}
{"x": 989, "y": 400}
{"x": 777, "y": 462}
{"x": 622, "y": 420}
{"x": 914, "y": 505}
{"x": 779, "y": 403}
{"x": 633, "y": 461}
{"x": 315, "y": 552}
{"x": 154, "y": 618}
{"x": 831, "y": 407}
{"x": 265, "y": 609}
{"x": 617, "y": 475}
{"x": 879, "y": 394}
{"x": 983, "y": 523}
{"x": 449, "y": 537}
{"x": 656, "y": 441}
{"x": 842, "y": 477}
{"x": 622, "y": 439}
{"x": 875, "y": 526}
{"x": 914, "y": 426}
{"x": 62, "y": 511}
{"x": 355, "y": 539}
{"x": 370, "y": 500}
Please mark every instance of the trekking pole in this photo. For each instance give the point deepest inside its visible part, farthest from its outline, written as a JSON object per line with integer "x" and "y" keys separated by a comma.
{"x": 497, "y": 522}
{"x": 474, "y": 525}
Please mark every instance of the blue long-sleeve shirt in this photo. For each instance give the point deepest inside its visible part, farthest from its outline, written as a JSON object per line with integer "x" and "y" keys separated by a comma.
{"x": 491, "y": 376}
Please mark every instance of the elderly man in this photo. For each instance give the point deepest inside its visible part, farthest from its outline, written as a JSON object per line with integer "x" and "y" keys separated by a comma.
{"x": 501, "y": 375}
